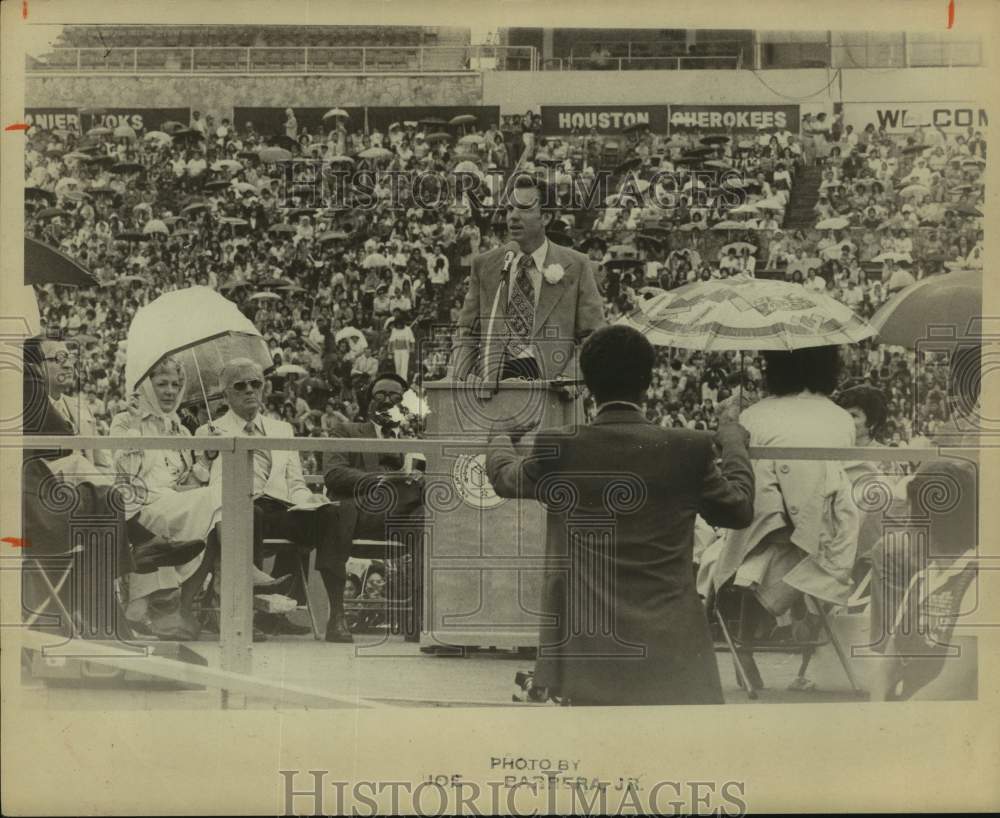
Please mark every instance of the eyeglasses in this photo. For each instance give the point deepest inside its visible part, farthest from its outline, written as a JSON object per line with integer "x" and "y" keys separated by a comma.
{"x": 61, "y": 357}
{"x": 394, "y": 397}
{"x": 242, "y": 386}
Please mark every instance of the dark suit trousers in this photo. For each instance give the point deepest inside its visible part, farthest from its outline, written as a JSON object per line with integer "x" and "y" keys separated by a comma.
{"x": 311, "y": 529}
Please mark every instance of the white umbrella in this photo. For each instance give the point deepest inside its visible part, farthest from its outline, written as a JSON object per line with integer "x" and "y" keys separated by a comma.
{"x": 159, "y": 137}
{"x": 834, "y": 223}
{"x": 274, "y": 155}
{"x": 744, "y": 209}
{"x": 265, "y": 297}
{"x": 467, "y": 166}
{"x": 155, "y": 226}
{"x": 230, "y": 165}
{"x": 914, "y": 190}
{"x": 729, "y": 224}
{"x": 336, "y": 113}
{"x": 124, "y": 132}
{"x": 201, "y": 329}
{"x": 347, "y": 333}
{"x": 291, "y": 369}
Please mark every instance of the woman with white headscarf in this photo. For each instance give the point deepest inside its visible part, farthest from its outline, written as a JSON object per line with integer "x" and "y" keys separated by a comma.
{"x": 168, "y": 501}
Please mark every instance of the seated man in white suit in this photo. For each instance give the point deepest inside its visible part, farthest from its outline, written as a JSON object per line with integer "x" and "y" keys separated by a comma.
{"x": 284, "y": 506}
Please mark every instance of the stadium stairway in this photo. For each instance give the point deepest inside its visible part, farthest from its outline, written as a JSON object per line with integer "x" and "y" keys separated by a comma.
{"x": 804, "y": 195}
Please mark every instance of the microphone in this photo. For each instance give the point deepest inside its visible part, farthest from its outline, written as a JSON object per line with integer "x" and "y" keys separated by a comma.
{"x": 508, "y": 262}
{"x": 509, "y": 256}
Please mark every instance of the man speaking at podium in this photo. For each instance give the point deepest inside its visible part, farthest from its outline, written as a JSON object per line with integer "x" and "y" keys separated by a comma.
{"x": 529, "y": 303}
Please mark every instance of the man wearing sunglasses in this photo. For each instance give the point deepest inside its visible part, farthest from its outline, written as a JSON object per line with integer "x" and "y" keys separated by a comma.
{"x": 60, "y": 366}
{"x": 279, "y": 488}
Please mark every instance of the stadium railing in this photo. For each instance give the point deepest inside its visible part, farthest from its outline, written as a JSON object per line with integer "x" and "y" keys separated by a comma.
{"x": 270, "y": 60}
{"x": 236, "y": 461}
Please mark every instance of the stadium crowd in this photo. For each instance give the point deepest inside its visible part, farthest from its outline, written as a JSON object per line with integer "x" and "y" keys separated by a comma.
{"x": 342, "y": 293}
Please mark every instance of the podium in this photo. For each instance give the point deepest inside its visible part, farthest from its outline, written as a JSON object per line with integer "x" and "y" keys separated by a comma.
{"x": 483, "y": 554}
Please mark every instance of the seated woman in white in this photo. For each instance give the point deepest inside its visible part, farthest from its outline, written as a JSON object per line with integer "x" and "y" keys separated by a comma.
{"x": 168, "y": 504}
{"x": 168, "y": 501}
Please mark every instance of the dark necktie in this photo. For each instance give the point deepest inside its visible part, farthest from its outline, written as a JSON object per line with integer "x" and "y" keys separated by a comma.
{"x": 521, "y": 317}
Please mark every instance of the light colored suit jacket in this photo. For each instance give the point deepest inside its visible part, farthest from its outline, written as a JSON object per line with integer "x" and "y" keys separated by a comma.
{"x": 567, "y": 312}
{"x": 285, "y": 480}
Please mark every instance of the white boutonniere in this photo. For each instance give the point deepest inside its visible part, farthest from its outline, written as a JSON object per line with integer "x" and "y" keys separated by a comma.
{"x": 554, "y": 273}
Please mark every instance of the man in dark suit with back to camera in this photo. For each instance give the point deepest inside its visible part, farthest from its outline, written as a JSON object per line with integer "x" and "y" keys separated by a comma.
{"x": 529, "y": 302}
{"x": 625, "y": 625}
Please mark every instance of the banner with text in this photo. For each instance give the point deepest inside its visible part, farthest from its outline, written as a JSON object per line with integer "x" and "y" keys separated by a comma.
{"x": 607, "y": 119}
{"x": 903, "y": 117}
{"x": 140, "y": 119}
{"x": 746, "y": 118}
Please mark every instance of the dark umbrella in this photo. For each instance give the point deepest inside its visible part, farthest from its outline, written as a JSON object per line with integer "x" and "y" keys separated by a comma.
{"x": 432, "y": 120}
{"x": 965, "y": 210}
{"x": 301, "y": 211}
{"x": 46, "y": 265}
{"x": 698, "y": 152}
{"x": 50, "y": 213}
{"x": 714, "y": 139}
{"x": 284, "y": 141}
{"x": 172, "y": 127}
{"x": 651, "y": 238}
{"x": 638, "y": 126}
{"x": 462, "y": 119}
{"x": 248, "y": 155}
{"x": 39, "y": 193}
{"x": 194, "y": 207}
{"x": 913, "y": 149}
{"x": 216, "y": 184}
{"x": 103, "y": 191}
{"x": 629, "y": 164}
{"x": 439, "y": 136}
{"x": 100, "y": 160}
{"x": 132, "y": 235}
{"x": 622, "y": 263}
{"x": 953, "y": 300}
{"x": 331, "y": 235}
{"x": 128, "y": 167}
{"x": 281, "y": 228}
{"x": 188, "y": 134}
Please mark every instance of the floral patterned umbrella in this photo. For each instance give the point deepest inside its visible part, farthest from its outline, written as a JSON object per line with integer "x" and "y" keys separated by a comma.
{"x": 743, "y": 313}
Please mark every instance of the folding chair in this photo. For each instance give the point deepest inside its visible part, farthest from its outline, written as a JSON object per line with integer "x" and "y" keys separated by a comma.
{"x": 749, "y": 678}
{"x": 275, "y": 544}
{"x": 38, "y": 566}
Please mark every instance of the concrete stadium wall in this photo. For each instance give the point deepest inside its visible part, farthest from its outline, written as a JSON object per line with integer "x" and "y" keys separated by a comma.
{"x": 513, "y": 91}
{"x": 516, "y": 92}
{"x": 218, "y": 95}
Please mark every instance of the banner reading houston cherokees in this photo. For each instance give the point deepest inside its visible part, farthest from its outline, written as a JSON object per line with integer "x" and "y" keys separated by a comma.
{"x": 747, "y": 118}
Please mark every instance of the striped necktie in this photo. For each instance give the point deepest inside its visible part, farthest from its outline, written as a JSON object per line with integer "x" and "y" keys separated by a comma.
{"x": 521, "y": 312}
{"x": 261, "y": 458}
